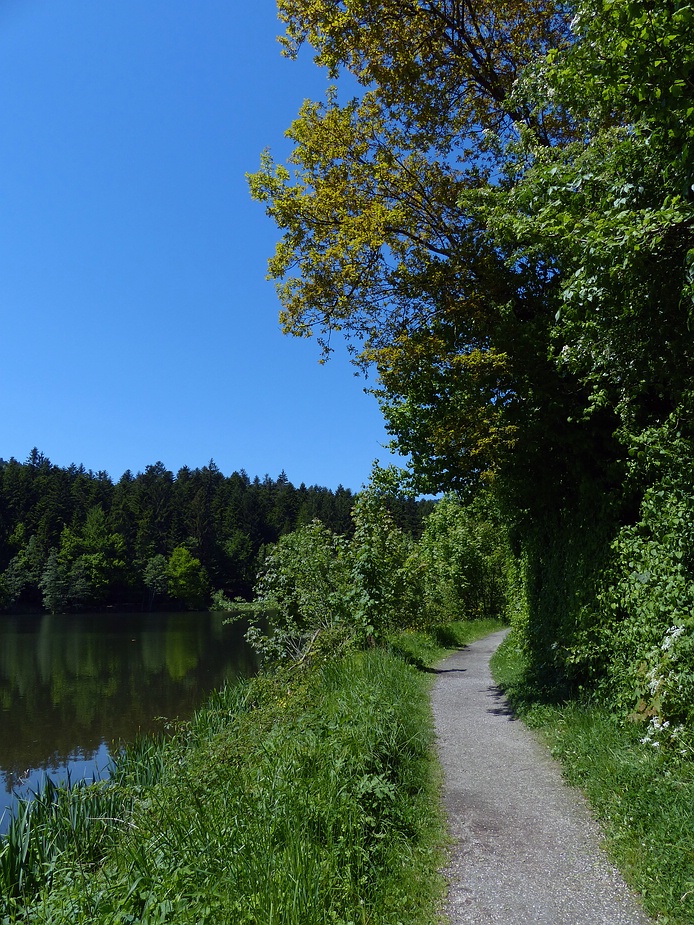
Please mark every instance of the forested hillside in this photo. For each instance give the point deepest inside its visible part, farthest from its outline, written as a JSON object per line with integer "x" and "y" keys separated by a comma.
{"x": 72, "y": 539}
{"x": 498, "y": 213}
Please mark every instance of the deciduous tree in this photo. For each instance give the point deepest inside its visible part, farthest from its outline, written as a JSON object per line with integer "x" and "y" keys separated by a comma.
{"x": 501, "y": 220}
{"x": 187, "y": 579}
{"x": 379, "y": 242}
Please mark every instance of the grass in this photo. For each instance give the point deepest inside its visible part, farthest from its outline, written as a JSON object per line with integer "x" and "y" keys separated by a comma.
{"x": 70, "y": 824}
{"x": 306, "y": 796}
{"x": 301, "y": 797}
{"x": 644, "y": 799}
{"x": 424, "y": 648}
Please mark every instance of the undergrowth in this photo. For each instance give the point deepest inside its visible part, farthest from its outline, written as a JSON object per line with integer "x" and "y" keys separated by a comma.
{"x": 642, "y": 794}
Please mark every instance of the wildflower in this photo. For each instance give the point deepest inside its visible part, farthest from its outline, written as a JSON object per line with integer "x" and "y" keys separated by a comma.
{"x": 671, "y": 636}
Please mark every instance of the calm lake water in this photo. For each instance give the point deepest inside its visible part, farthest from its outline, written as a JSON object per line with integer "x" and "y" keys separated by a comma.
{"x": 73, "y": 687}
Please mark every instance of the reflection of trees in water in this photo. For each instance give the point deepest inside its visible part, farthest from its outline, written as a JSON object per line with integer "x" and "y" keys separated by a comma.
{"x": 184, "y": 646}
{"x": 69, "y": 682}
{"x": 54, "y": 766}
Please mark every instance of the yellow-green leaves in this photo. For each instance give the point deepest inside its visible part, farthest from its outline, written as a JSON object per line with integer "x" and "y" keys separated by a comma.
{"x": 484, "y": 218}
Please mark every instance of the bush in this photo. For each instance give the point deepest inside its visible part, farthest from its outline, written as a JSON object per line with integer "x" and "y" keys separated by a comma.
{"x": 648, "y": 607}
{"x": 303, "y": 587}
{"x": 385, "y": 573}
{"x": 466, "y": 563}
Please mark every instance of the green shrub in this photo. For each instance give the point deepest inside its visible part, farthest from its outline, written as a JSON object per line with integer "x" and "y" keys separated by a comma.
{"x": 385, "y": 575}
{"x": 466, "y": 563}
{"x": 303, "y": 588}
{"x": 648, "y": 606}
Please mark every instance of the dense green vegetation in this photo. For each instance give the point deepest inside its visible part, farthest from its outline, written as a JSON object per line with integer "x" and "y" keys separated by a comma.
{"x": 321, "y": 593}
{"x": 73, "y": 540}
{"x": 499, "y": 216}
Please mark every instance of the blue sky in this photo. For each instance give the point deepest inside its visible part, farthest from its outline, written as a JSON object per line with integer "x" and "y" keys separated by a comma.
{"x": 136, "y": 321}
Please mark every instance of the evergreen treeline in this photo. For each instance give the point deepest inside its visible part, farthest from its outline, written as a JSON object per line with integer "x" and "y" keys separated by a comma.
{"x": 72, "y": 539}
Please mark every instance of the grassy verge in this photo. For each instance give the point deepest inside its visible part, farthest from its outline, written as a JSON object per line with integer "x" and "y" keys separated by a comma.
{"x": 644, "y": 799}
{"x": 308, "y": 796}
{"x": 423, "y": 648}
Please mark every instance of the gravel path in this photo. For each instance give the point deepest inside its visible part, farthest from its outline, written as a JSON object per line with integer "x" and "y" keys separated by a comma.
{"x": 526, "y": 848}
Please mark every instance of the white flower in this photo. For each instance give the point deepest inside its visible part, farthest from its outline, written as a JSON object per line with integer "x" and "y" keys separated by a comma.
{"x": 672, "y": 634}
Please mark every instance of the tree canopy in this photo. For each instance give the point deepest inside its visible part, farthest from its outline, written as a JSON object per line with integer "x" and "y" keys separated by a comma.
{"x": 482, "y": 218}
{"x": 72, "y": 539}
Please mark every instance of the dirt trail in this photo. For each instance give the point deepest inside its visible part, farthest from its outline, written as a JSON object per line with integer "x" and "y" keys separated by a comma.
{"x": 526, "y": 848}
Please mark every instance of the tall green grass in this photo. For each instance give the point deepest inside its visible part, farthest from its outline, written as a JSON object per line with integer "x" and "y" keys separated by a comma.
{"x": 643, "y": 796}
{"x": 424, "y": 647}
{"x": 306, "y": 796}
{"x": 71, "y": 824}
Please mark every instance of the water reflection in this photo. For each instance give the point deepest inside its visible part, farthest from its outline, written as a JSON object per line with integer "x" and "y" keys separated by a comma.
{"x": 70, "y": 685}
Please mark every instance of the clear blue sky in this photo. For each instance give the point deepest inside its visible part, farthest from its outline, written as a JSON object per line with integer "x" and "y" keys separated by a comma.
{"x": 137, "y": 324}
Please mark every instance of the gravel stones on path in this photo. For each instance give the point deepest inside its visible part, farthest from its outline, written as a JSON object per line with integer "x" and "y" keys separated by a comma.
{"x": 526, "y": 850}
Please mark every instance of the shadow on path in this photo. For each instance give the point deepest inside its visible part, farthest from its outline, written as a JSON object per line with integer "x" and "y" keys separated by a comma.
{"x": 503, "y": 707}
{"x": 526, "y": 848}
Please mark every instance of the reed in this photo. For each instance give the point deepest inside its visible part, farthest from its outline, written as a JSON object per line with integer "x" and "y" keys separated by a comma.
{"x": 56, "y": 822}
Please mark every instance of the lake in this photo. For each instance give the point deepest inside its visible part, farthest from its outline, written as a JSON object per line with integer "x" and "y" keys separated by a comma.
{"x": 73, "y": 686}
